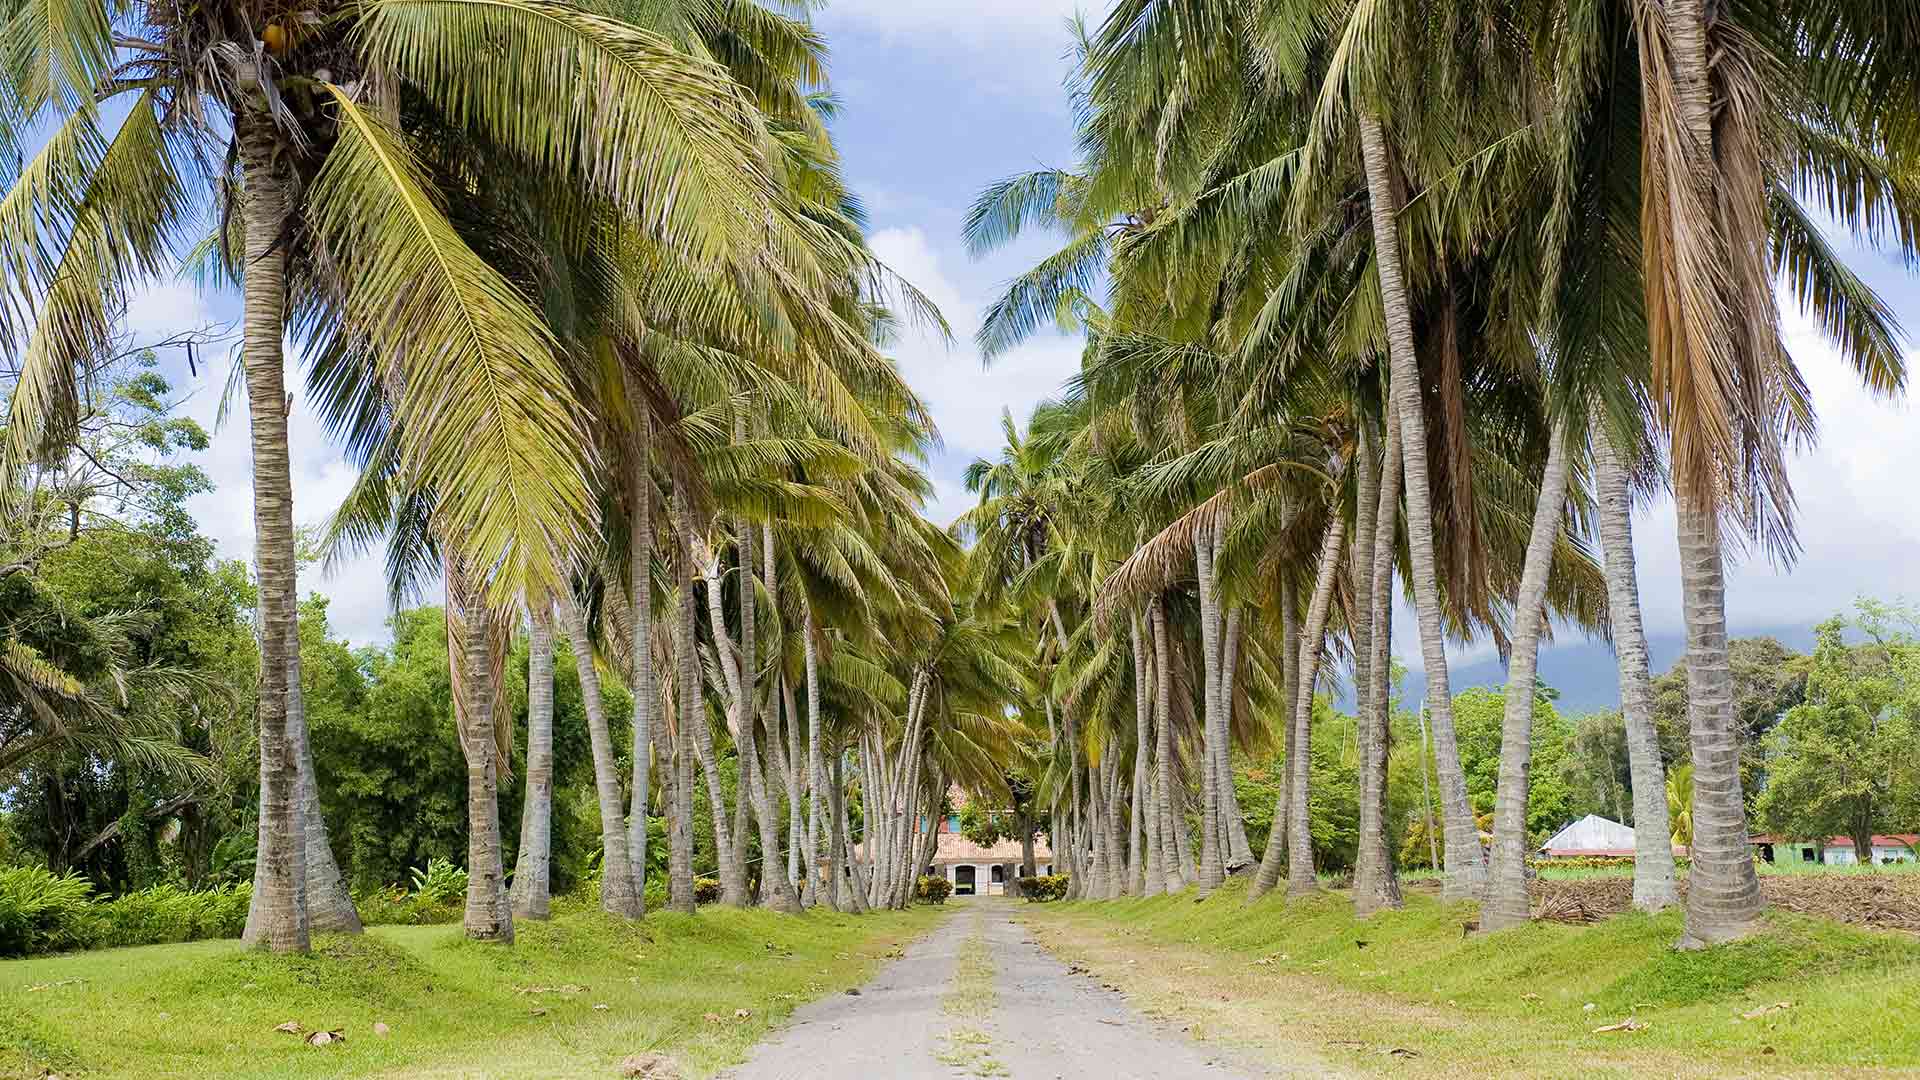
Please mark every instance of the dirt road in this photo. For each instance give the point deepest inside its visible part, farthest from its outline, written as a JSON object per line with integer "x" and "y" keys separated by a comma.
{"x": 977, "y": 997}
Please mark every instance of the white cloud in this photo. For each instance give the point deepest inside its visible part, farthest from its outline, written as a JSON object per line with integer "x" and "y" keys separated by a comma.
{"x": 1857, "y": 530}
{"x": 967, "y": 397}
{"x": 321, "y": 477}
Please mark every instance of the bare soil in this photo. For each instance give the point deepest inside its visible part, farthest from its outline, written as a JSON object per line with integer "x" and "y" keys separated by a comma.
{"x": 1883, "y": 901}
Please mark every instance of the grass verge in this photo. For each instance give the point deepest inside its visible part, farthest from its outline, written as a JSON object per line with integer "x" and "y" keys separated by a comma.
{"x": 573, "y": 997}
{"x": 970, "y": 1001}
{"x": 1412, "y": 993}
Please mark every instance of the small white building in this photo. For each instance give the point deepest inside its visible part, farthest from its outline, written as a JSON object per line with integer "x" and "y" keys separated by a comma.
{"x": 1836, "y": 850}
{"x": 982, "y": 871}
{"x": 1591, "y": 837}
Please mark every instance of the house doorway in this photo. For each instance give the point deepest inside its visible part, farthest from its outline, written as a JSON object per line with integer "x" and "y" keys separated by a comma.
{"x": 963, "y": 883}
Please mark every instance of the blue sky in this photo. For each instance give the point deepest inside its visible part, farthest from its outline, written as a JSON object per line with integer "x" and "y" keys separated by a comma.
{"x": 944, "y": 96}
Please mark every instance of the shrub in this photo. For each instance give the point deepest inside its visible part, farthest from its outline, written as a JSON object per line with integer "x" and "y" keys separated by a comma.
{"x": 1039, "y": 890}
{"x": 1583, "y": 862}
{"x": 933, "y": 889}
{"x": 706, "y": 890}
{"x": 166, "y": 914}
{"x": 39, "y": 910}
{"x": 398, "y": 907}
{"x": 41, "y": 913}
{"x": 441, "y": 882}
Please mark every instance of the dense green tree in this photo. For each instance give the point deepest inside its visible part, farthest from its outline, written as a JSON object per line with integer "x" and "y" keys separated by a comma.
{"x": 1551, "y": 802}
{"x": 392, "y": 776}
{"x": 1842, "y": 762}
{"x": 1768, "y": 678}
{"x": 125, "y": 749}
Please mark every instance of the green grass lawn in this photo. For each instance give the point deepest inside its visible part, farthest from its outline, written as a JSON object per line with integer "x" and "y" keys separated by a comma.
{"x": 572, "y": 997}
{"x": 1511, "y": 1003}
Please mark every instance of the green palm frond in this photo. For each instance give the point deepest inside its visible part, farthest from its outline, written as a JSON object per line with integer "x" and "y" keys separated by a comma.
{"x": 57, "y": 53}
{"x": 72, "y": 264}
{"x": 667, "y": 137}
{"x": 483, "y": 405}
{"x": 1846, "y": 309}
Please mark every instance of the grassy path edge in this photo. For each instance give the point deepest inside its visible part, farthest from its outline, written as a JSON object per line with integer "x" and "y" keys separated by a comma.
{"x": 573, "y": 997}
{"x": 1410, "y": 993}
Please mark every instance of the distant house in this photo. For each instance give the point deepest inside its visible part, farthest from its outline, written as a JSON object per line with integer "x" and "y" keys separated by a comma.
{"x": 1835, "y": 850}
{"x": 973, "y": 869}
{"x": 976, "y": 870}
{"x": 1593, "y": 837}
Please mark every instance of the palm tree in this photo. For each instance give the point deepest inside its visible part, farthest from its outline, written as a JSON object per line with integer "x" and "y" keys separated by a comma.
{"x": 1654, "y": 885}
{"x": 69, "y": 680}
{"x": 1728, "y": 148}
{"x": 532, "y": 866}
{"x": 335, "y": 221}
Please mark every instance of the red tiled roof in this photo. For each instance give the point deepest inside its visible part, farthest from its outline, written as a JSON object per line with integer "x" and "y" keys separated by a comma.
{"x": 955, "y": 848}
{"x": 952, "y": 847}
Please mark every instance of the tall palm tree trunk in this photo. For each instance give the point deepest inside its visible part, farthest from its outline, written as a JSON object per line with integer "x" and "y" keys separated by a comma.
{"x": 674, "y": 751}
{"x": 616, "y": 865}
{"x": 789, "y": 725}
{"x": 1366, "y": 485}
{"x": 1173, "y": 854}
{"x": 1117, "y": 825}
{"x": 266, "y": 206}
{"x": 1465, "y": 861}
{"x": 1653, "y": 869}
{"x": 691, "y": 714}
{"x": 646, "y": 694}
{"x": 1139, "y": 867}
{"x": 329, "y": 902}
{"x": 1111, "y": 842}
{"x": 873, "y": 823}
{"x": 1375, "y": 885}
{"x": 1506, "y": 900}
{"x": 489, "y": 914}
{"x": 799, "y": 846}
{"x": 1183, "y": 833}
{"x": 1077, "y": 885}
{"x": 1367, "y": 479}
{"x": 853, "y": 892}
{"x": 1233, "y": 825}
{"x": 1723, "y": 892}
{"x": 815, "y": 765}
{"x": 1301, "y": 880}
{"x": 1096, "y": 834}
{"x": 531, "y": 865}
{"x": 835, "y": 890}
{"x": 732, "y": 871}
{"x": 1273, "y": 857}
{"x": 1212, "y": 859}
{"x": 733, "y": 878}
